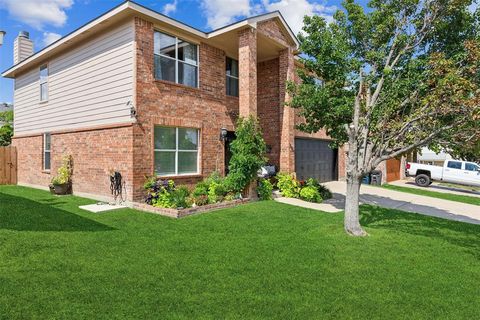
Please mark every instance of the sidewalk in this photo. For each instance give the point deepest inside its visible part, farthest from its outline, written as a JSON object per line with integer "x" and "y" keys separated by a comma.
{"x": 409, "y": 183}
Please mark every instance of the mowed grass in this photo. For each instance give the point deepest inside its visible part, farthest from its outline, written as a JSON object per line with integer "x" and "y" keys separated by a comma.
{"x": 435, "y": 194}
{"x": 262, "y": 260}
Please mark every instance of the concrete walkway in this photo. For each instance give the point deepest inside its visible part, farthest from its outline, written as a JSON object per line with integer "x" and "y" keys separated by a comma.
{"x": 410, "y": 183}
{"x": 395, "y": 200}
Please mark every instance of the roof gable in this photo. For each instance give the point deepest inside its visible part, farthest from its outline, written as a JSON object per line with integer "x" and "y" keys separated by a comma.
{"x": 131, "y": 8}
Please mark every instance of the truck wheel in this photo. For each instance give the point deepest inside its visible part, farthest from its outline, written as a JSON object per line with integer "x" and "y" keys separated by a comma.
{"x": 423, "y": 180}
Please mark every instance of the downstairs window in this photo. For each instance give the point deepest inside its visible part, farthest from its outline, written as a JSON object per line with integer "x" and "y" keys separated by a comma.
{"x": 176, "y": 151}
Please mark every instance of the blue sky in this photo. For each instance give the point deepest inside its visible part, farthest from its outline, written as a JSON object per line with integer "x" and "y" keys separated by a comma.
{"x": 47, "y": 20}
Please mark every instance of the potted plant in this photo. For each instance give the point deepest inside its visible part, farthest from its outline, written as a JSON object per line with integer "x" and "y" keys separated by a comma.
{"x": 61, "y": 183}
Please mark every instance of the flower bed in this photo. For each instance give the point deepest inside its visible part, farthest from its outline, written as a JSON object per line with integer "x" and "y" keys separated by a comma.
{"x": 164, "y": 197}
{"x": 179, "y": 213}
{"x": 310, "y": 190}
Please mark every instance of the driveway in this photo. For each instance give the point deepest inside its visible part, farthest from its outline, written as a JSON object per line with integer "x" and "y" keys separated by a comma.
{"x": 395, "y": 200}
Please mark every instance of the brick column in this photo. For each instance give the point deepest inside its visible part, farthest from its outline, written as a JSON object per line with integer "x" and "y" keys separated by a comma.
{"x": 247, "y": 65}
{"x": 287, "y": 114}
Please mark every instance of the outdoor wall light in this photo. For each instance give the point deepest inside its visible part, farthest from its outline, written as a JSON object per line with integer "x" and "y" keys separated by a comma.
{"x": 2, "y": 35}
{"x": 133, "y": 111}
{"x": 223, "y": 134}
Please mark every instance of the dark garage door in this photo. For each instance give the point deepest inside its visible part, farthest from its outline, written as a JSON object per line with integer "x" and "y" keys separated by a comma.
{"x": 315, "y": 159}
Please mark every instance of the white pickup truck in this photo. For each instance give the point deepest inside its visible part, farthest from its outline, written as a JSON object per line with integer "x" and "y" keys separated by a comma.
{"x": 453, "y": 171}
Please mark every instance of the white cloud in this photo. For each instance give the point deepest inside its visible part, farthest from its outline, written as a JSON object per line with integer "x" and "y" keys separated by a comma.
{"x": 223, "y": 12}
{"x": 50, "y": 37}
{"x": 294, "y": 10}
{"x": 219, "y": 13}
{"x": 38, "y": 13}
{"x": 170, "y": 7}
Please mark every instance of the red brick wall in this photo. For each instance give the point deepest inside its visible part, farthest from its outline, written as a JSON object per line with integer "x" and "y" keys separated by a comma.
{"x": 94, "y": 152}
{"x": 247, "y": 68}
{"x": 129, "y": 149}
{"x": 268, "y": 107}
{"x": 163, "y": 103}
{"x": 272, "y": 29}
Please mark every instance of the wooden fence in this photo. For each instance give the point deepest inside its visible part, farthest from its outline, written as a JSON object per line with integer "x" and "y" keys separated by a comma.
{"x": 8, "y": 165}
{"x": 393, "y": 170}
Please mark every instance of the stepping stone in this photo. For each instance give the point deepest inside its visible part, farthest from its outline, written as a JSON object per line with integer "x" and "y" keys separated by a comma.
{"x": 101, "y": 207}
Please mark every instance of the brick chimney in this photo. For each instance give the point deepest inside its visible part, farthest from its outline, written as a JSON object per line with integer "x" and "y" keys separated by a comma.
{"x": 22, "y": 47}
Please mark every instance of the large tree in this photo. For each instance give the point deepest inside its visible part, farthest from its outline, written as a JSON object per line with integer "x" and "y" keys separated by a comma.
{"x": 393, "y": 77}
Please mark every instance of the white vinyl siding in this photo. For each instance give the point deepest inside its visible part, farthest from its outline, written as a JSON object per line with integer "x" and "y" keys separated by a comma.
{"x": 88, "y": 86}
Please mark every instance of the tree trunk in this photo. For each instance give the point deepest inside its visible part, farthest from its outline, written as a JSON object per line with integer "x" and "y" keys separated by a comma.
{"x": 352, "y": 217}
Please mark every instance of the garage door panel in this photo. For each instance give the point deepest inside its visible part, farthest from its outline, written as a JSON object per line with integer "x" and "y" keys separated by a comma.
{"x": 315, "y": 159}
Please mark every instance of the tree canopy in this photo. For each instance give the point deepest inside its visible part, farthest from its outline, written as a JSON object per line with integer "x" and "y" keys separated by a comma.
{"x": 395, "y": 76}
{"x": 6, "y": 127}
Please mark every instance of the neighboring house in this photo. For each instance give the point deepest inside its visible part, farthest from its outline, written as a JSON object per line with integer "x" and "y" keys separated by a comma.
{"x": 140, "y": 93}
{"x": 427, "y": 156}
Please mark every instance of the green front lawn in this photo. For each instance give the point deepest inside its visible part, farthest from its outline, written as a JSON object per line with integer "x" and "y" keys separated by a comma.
{"x": 262, "y": 260}
{"x": 435, "y": 194}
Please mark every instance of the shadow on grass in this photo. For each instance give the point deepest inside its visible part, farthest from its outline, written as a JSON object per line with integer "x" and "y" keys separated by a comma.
{"x": 22, "y": 214}
{"x": 457, "y": 233}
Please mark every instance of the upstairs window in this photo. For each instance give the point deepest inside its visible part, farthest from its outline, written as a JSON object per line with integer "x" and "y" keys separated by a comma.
{"x": 44, "y": 83}
{"x": 46, "y": 151}
{"x": 176, "y": 60}
{"x": 232, "y": 77}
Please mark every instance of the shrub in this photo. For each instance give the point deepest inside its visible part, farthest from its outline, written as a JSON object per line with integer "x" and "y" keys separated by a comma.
{"x": 230, "y": 196}
{"x": 199, "y": 200}
{"x": 265, "y": 189}
{"x": 160, "y": 192}
{"x": 64, "y": 173}
{"x": 211, "y": 190}
{"x": 248, "y": 154}
{"x": 6, "y": 128}
{"x": 213, "y": 177}
{"x": 325, "y": 193}
{"x": 163, "y": 199}
{"x": 216, "y": 191}
{"x": 201, "y": 189}
{"x": 311, "y": 194}
{"x": 150, "y": 183}
{"x": 288, "y": 185}
{"x": 179, "y": 197}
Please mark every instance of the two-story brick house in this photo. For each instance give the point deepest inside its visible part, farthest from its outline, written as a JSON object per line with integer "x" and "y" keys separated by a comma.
{"x": 141, "y": 93}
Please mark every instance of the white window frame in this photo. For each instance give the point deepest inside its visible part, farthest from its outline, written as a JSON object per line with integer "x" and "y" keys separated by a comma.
{"x": 233, "y": 77}
{"x": 177, "y": 60}
{"x": 45, "y": 151}
{"x": 43, "y": 81}
{"x": 176, "y": 150}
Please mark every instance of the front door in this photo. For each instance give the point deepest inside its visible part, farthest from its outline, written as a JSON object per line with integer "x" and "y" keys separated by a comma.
{"x": 228, "y": 154}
